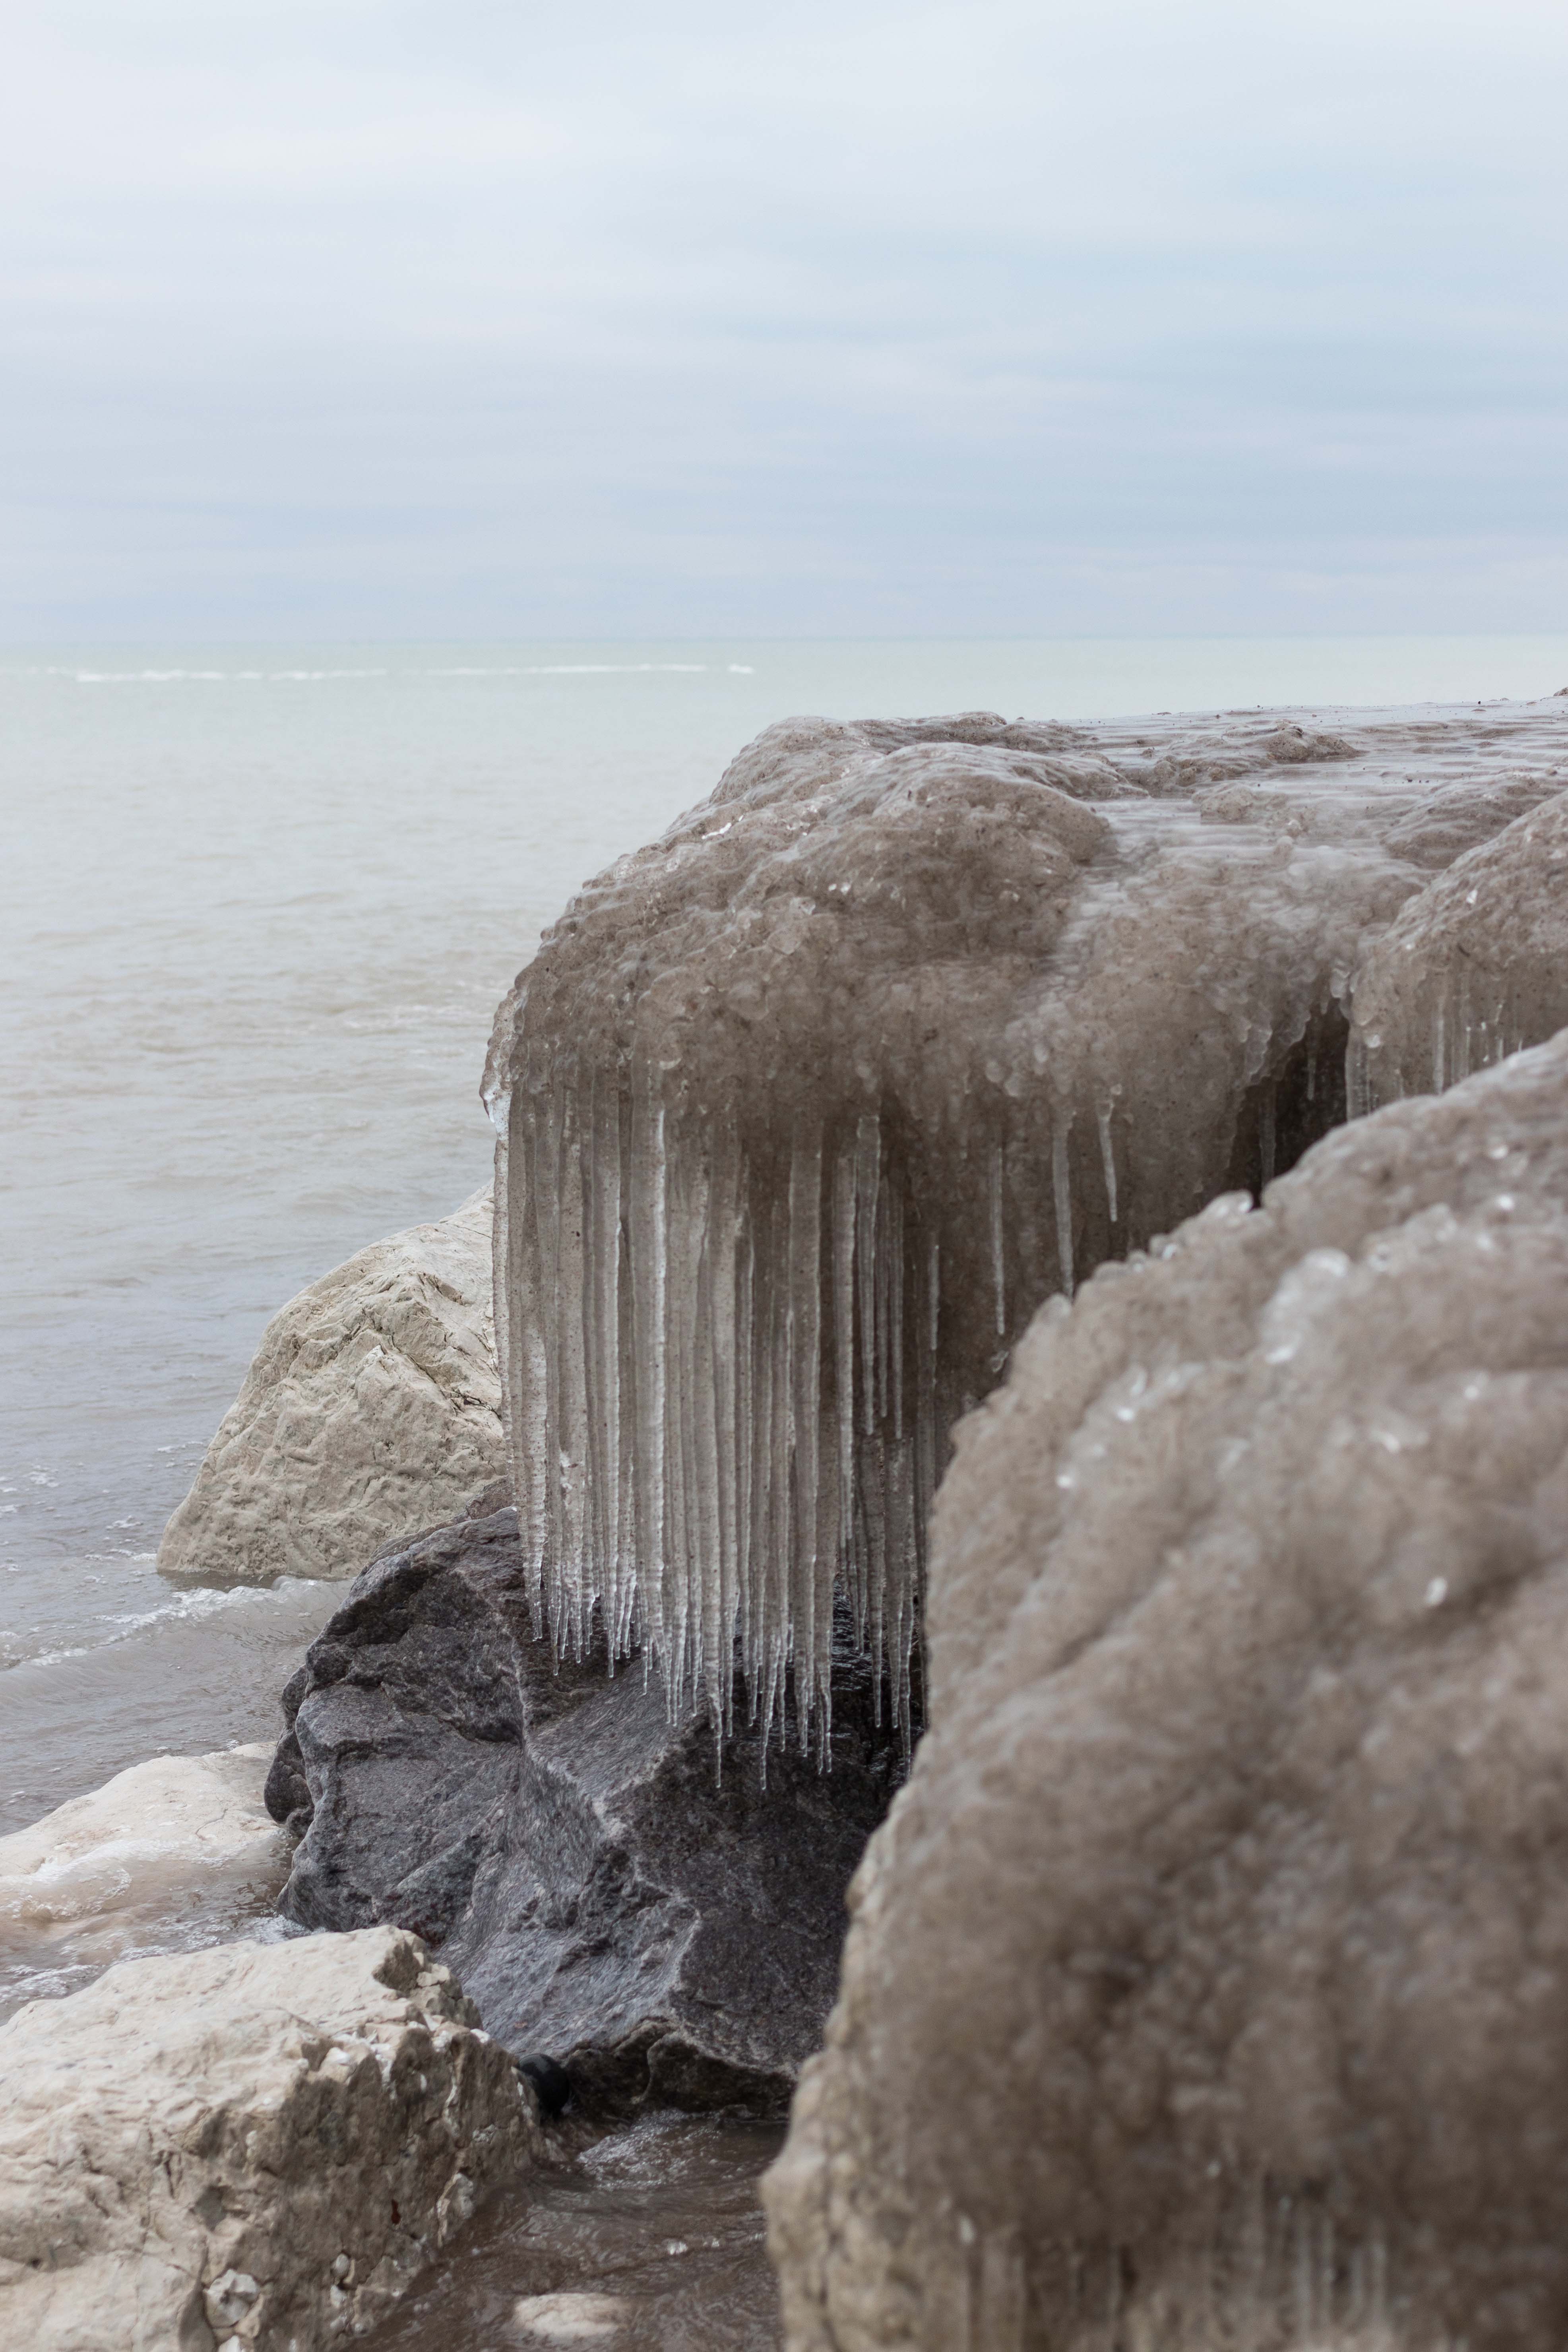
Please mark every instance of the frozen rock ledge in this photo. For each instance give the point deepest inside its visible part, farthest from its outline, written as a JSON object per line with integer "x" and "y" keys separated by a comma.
{"x": 371, "y": 1410}
{"x": 251, "y": 2145}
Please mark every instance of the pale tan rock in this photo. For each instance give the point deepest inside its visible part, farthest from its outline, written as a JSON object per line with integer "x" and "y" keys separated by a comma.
{"x": 174, "y": 1852}
{"x": 372, "y": 1409}
{"x": 252, "y": 2146}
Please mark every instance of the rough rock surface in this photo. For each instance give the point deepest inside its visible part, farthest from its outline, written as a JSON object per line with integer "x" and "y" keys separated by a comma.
{"x": 244, "y": 2147}
{"x": 808, "y": 1104}
{"x": 372, "y": 1408}
{"x": 563, "y": 1843}
{"x": 174, "y": 1852}
{"x": 1208, "y": 1982}
{"x": 1474, "y": 967}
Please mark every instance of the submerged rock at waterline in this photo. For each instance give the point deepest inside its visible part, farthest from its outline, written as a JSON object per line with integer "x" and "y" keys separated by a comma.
{"x": 671, "y": 1935}
{"x": 248, "y": 2145}
{"x": 372, "y": 1408}
{"x": 1209, "y": 1981}
{"x": 1475, "y": 966}
{"x": 178, "y": 1850}
{"x": 808, "y": 1106}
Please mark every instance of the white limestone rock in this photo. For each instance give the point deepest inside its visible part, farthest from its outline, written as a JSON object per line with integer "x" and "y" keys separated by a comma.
{"x": 253, "y": 2146}
{"x": 372, "y": 1409}
{"x": 175, "y": 1851}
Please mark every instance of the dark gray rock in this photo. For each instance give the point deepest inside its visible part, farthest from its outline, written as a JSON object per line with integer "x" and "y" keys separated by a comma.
{"x": 603, "y": 1893}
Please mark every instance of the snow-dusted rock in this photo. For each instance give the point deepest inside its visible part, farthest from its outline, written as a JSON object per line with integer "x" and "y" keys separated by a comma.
{"x": 371, "y": 1410}
{"x": 175, "y": 1851}
{"x": 1209, "y": 1982}
{"x": 249, "y": 2146}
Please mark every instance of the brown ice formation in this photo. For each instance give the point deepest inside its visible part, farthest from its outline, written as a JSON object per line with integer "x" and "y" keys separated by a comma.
{"x": 1208, "y": 1982}
{"x": 1476, "y": 965}
{"x": 808, "y": 1106}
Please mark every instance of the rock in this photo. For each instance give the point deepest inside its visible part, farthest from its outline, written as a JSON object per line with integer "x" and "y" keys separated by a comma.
{"x": 572, "y": 2318}
{"x": 1208, "y": 1983}
{"x": 371, "y": 1410}
{"x": 1473, "y": 968}
{"x": 249, "y": 2146}
{"x": 808, "y": 1104}
{"x": 569, "y": 1848}
{"x": 177, "y": 1851}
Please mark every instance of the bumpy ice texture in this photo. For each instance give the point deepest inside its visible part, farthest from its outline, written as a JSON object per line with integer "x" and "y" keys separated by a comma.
{"x": 1475, "y": 966}
{"x": 806, "y": 1107}
{"x": 1208, "y": 1982}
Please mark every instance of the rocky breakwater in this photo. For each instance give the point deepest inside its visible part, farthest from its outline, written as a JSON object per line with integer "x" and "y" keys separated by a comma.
{"x": 663, "y": 1915}
{"x": 245, "y": 2147}
{"x": 371, "y": 1409}
{"x": 1208, "y": 1982}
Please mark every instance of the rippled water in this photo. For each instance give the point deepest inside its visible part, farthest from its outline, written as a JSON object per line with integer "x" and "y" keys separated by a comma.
{"x": 649, "y": 2238}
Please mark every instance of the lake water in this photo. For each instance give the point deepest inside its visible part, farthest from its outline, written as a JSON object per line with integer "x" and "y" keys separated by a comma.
{"x": 259, "y": 906}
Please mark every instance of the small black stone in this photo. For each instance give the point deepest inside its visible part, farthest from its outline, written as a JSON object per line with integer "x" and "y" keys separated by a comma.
{"x": 551, "y": 2082}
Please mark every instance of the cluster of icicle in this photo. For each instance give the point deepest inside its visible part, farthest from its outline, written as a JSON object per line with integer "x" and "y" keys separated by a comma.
{"x": 806, "y": 1107}
{"x": 724, "y": 1398}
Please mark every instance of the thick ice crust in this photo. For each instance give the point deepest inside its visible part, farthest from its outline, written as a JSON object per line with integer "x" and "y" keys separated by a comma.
{"x": 809, "y": 1103}
{"x": 372, "y": 1408}
{"x": 1475, "y": 966}
{"x": 1208, "y": 1982}
{"x": 247, "y": 2147}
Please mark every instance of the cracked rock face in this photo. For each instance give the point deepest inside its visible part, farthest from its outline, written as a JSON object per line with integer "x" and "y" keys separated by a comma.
{"x": 667, "y": 1936}
{"x": 372, "y": 1408}
{"x": 249, "y": 2146}
{"x": 1208, "y": 1983}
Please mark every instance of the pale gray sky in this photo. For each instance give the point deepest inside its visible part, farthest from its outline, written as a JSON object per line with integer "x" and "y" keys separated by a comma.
{"x": 381, "y": 315}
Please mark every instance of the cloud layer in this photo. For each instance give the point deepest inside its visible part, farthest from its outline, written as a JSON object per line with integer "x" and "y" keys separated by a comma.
{"x": 371, "y": 315}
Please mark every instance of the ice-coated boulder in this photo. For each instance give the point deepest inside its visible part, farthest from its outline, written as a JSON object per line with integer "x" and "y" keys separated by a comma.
{"x": 249, "y": 2146}
{"x": 372, "y": 1408}
{"x": 174, "y": 1852}
{"x": 806, "y": 1106}
{"x": 671, "y": 1935}
{"x": 1475, "y": 966}
{"x": 1209, "y": 1982}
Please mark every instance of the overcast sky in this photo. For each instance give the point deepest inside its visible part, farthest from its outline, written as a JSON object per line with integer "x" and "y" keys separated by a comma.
{"x": 390, "y": 317}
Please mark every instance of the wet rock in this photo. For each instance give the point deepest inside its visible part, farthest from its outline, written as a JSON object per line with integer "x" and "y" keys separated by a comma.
{"x": 180, "y": 1848}
{"x": 1208, "y": 1983}
{"x": 372, "y": 1408}
{"x": 249, "y": 2146}
{"x": 605, "y": 1896}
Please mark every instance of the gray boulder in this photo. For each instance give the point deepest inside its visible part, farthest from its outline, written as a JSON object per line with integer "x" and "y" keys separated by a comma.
{"x": 670, "y": 1932}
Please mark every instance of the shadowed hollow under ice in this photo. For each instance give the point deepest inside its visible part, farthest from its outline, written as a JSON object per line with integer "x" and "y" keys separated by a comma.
{"x": 805, "y": 1108}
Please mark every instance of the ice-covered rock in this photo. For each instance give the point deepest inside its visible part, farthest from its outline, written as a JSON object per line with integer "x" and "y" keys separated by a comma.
{"x": 808, "y": 1106}
{"x": 372, "y": 1408}
{"x": 175, "y": 1851}
{"x": 1475, "y": 966}
{"x": 249, "y": 2146}
{"x": 1208, "y": 1982}
{"x": 569, "y": 1850}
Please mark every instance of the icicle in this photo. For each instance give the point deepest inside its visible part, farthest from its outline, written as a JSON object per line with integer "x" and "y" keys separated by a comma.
{"x": 1061, "y": 1186}
{"x": 998, "y": 1262}
{"x": 1266, "y": 1133}
{"x": 1107, "y": 1157}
